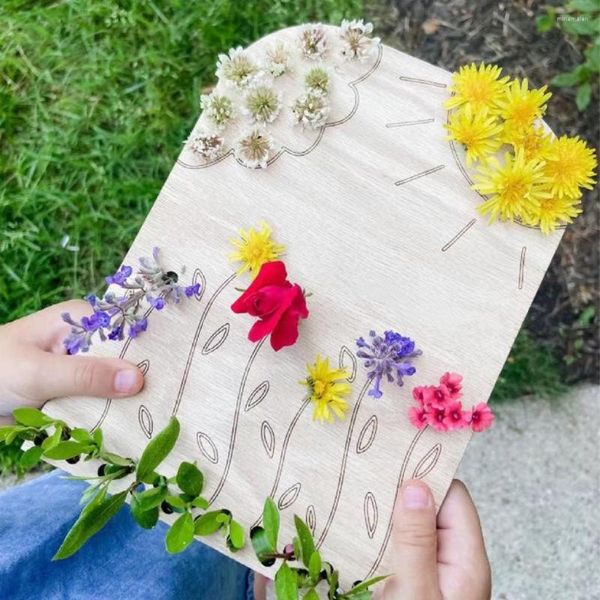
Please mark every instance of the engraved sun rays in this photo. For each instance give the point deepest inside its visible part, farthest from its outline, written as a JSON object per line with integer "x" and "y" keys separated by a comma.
{"x": 427, "y": 121}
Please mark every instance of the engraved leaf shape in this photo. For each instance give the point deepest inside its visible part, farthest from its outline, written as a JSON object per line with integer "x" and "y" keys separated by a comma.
{"x": 146, "y": 422}
{"x": 367, "y": 435}
{"x": 216, "y": 340}
{"x": 207, "y": 447}
{"x": 371, "y": 513}
{"x": 348, "y": 361}
{"x": 311, "y": 518}
{"x": 428, "y": 462}
{"x": 198, "y": 277}
{"x": 257, "y": 396}
{"x": 268, "y": 438}
{"x": 289, "y": 496}
{"x": 144, "y": 366}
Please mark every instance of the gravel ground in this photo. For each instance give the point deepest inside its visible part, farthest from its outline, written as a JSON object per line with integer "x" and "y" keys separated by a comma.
{"x": 535, "y": 478}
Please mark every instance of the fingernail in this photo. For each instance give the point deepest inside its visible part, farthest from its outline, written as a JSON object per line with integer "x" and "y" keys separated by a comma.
{"x": 126, "y": 381}
{"x": 415, "y": 496}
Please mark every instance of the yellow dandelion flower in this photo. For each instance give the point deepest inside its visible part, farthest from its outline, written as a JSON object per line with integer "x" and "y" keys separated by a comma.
{"x": 479, "y": 133}
{"x": 570, "y": 164}
{"x": 520, "y": 106}
{"x": 515, "y": 188}
{"x": 481, "y": 88}
{"x": 254, "y": 248}
{"x": 534, "y": 141}
{"x": 554, "y": 211}
{"x": 326, "y": 389}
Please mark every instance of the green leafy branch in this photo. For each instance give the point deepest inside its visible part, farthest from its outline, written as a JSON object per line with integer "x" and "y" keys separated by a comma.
{"x": 302, "y": 570}
{"x": 579, "y": 19}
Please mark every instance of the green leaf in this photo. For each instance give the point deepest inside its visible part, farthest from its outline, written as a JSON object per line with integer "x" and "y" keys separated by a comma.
{"x": 32, "y": 417}
{"x": 150, "y": 498}
{"x": 237, "y": 536}
{"x": 593, "y": 57}
{"x": 157, "y": 450}
{"x": 314, "y": 566}
{"x": 286, "y": 583}
{"x": 5, "y": 430}
{"x": 208, "y": 523}
{"x": 365, "y": 585}
{"x": 176, "y": 502}
{"x": 91, "y": 520}
{"x": 297, "y": 548}
{"x": 98, "y": 437}
{"x": 569, "y": 79}
{"x": 115, "y": 459}
{"x": 306, "y": 540}
{"x": 583, "y": 97}
{"x": 190, "y": 479}
{"x": 576, "y": 27}
{"x": 81, "y": 435}
{"x": 262, "y": 546}
{"x": 200, "y": 502}
{"x": 31, "y": 457}
{"x": 311, "y": 595}
{"x": 271, "y": 521}
{"x": 181, "y": 534}
{"x": 585, "y": 6}
{"x": 546, "y": 21}
{"x": 52, "y": 440}
{"x": 145, "y": 518}
{"x": 64, "y": 450}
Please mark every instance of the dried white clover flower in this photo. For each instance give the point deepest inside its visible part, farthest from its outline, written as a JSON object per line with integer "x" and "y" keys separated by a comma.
{"x": 254, "y": 148}
{"x": 206, "y": 144}
{"x": 218, "y": 109}
{"x": 313, "y": 41}
{"x": 311, "y": 109}
{"x": 236, "y": 67}
{"x": 357, "y": 43}
{"x": 277, "y": 61}
{"x": 317, "y": 80}
{"x": 262, "y": 103}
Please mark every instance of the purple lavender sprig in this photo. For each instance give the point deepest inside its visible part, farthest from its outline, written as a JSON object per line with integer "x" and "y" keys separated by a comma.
{"x": 116, "y": 314}
{"x": 389, "y": 355}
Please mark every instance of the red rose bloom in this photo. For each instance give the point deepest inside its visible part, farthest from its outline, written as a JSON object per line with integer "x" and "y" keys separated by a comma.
{"x": 277, "y": 303}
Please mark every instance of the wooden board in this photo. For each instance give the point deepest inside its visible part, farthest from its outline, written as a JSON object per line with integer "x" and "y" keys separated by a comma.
{"x": 380, "y": 224}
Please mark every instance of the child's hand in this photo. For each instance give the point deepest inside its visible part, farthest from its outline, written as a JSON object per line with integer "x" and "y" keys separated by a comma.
{"x": 435, "y": 559}
{"x": 34, "y": 367}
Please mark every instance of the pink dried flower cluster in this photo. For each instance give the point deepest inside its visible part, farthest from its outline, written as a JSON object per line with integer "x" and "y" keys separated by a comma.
{"x": 440, "y": 407}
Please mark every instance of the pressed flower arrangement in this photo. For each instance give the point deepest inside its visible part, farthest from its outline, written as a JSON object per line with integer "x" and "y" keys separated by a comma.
{"x": 523, "y": 171}
{"x": 261, "y": 97}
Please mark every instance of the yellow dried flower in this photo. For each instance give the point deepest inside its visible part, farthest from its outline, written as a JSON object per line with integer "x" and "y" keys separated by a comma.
{"x": 515, "y": 187}
{"x": 480, "y": 87}
{"x": 254, "y": 248}
{"x": 520, "y": 106}
{"x": 570, "y": 164}
{"x": 326, "y": 389}
{"x": 479, "y": 133}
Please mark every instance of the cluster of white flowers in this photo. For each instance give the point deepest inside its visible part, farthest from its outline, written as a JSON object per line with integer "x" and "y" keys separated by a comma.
{"x": 357, "y": 42}
{"x": 247, "y": 92}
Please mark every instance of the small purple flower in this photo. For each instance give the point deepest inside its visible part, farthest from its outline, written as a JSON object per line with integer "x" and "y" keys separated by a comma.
{"x": 120, "y": 277}
{"x": 157, "y": 303}
{"x": 138, "y": 327}
{"x": 192, "y": 290}
{"x": 116, "y": 333}
{"x": 389, "y": 355}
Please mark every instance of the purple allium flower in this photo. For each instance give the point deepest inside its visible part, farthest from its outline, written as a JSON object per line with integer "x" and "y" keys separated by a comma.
{"x": 389, "y": 355}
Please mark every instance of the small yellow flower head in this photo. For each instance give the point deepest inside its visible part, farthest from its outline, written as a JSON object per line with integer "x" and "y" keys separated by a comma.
{"x": 481, "y": 88}
{"x": 535, "y": 141}
{"x": 326, "y": 389}
{"x": 554, "y": 211}
{"x": 570, "y": 164}
{"x": 520, "y": 106}
{"x": 479, "y": 133}
{"x": 516, "y": 187}
{"x": 254, "y": 248}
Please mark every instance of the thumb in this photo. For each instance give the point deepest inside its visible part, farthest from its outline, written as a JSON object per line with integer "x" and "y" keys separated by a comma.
{"x": 414, "y": 545}
{"x": 64, "y": 375}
